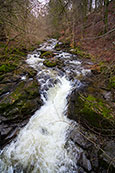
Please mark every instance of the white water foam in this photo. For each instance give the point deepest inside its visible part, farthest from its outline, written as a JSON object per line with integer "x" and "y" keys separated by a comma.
{"x": 40, "y": 145}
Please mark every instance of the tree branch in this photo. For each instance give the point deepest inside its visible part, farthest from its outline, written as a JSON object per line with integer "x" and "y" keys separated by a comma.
{"x": 93, "y": 38}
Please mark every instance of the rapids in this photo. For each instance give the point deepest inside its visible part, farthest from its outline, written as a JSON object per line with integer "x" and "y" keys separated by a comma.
{"x": 43, "y": 144}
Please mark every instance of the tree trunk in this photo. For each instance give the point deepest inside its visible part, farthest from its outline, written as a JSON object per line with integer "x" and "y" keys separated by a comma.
{"x": 106, "y": 4}
{"x": 95, "y": 4}
{"x": 90, "y": 6}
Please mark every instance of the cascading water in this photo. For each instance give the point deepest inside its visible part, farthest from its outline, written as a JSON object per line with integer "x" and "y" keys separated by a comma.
{"x": 41, "y": 144}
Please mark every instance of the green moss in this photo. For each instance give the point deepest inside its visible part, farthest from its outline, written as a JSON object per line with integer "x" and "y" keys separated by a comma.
{"x": 32, "y": 90}
{"x": 2, "y": 45}
{"x": 50, "y": 63}
{"x": 58, "y": 47}
{"x": 15, "y": 51}
{"x": 18, "y": 92}
{"x": 26, "y": 106}
{"x": 112, "y": 82}
{"x": 7, "y": 67}
{"x": 81, "y": 53}
{"x": 65, "y": 45}
{"x": 95, "y": 111}
{"x": 31, "y": 72}
{"x": 47, "y": 54}
{"x": 103, "y": 68}
{"x": 98, "y": 106}
{"x": 18, "y": 99}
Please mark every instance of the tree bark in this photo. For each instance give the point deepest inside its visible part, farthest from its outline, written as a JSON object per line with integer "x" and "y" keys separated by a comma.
{"x": 95, "y": 4}
{"x": 106, "y": 4}
{"x": 90, "y": 5}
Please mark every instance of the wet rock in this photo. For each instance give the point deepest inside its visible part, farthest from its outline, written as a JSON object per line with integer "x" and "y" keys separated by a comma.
{"x": 46, "y": 77}
{"x": 81, "y": 170}
{"x": 107, "y": 95}
{"x": 110, "y": 151}
{"x": 94, "y": 158}
{"x": 2, "y": 118}
{"x": 17, "y": 106}
{"x": 84, "y": 162}
{"x": 80, "y": 140}
{"x": 5, "y": 130}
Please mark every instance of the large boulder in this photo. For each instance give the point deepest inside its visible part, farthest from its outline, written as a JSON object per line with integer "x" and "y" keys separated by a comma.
{"x": 91, "y": 111}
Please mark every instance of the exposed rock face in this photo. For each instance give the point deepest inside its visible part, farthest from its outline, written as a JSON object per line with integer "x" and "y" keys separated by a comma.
{"x": 91, "y": 158}
{"x": 19, "y": 99}
{"x": 82, "y": 108}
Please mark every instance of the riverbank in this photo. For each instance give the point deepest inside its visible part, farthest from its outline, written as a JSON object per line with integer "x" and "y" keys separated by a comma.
{"x": 93, "y": 107}
{"x": 19, "y": 93}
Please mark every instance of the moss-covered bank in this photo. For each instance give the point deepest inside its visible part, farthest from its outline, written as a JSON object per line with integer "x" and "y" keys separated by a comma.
{"x": 19, "y": 97}
{"x": 94, "y": 105}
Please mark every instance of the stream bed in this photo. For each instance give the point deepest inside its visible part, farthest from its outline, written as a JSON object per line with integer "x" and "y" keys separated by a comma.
{"x": 44, "y": 145}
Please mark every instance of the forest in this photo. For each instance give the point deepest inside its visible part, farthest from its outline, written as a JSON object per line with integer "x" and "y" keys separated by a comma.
{"x": 57, "y": 61}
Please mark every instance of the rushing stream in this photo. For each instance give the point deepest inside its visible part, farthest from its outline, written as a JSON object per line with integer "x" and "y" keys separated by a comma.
{"x": 43, "y": 145}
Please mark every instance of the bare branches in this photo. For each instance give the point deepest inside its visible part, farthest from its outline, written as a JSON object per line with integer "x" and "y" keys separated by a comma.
{"x": 93, "y": 38}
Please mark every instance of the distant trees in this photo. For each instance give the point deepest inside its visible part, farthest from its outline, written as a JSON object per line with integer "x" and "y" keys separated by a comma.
{"x": 28, "y": 22}
{"x": 106, "y": 4}
{"x": 21, "y": 20}
{"x": 73, "y": 12}
{"x": 56, "y": 14}
{"x": 12, "y": 10}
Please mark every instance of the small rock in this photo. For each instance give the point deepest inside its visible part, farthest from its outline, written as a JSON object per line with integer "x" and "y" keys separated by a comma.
{"x": 5, "y": 131}
{"x": 110, "y": 151}
{"x": 94, "y": 158}
{"x": 108, "y": 96}
{"x": 84, "y": 162}
{"x": 81, "y": 170}
{"x": 80, "y": 140}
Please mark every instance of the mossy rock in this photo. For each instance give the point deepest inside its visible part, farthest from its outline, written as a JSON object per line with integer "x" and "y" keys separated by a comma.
{"x": 104, "y": 69}
{"x": 64, "y": 46}
{"x": 94, "y": 107}
{"x": 13, "y": 104}
{"x": 91, "y": 111}
{"x": 80, "y": 53}
{"x": 50, "y": 63}
{"x": 31, "y": 72}
{"x": 47, "y": 54}
{"x": 4, "y": 89}
{"x": 7, "y": 68}
{"x": 10, "y": 60}
{"x": 58, "y": 47}
{"x": 112, "y": 82}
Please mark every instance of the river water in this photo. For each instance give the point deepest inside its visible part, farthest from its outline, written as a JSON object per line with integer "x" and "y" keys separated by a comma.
{"x": 43, "y": 145}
